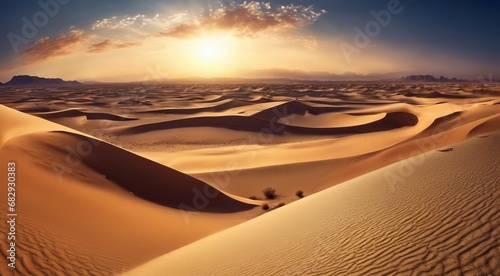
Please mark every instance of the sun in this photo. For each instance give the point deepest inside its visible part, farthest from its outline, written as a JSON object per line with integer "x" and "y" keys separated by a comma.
{"x": 211, "y": 49}
{"x": 209, "y": 55}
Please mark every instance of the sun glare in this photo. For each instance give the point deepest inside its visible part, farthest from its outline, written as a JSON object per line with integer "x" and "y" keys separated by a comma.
{"x": 208, "y": 56}
{"x": 211, "y": 49}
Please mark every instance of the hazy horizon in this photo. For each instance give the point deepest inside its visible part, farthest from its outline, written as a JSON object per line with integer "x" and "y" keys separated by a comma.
{"x": 294, "y": 77}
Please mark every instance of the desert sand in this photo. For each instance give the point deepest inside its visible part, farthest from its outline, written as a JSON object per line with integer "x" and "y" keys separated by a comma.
{"x": 156, "y": 179}
{"x": 443, "y": 218}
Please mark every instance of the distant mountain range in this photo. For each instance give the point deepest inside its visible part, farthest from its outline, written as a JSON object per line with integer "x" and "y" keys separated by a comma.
{"x": 429, "y": 78}
{"x": 262, "y": 76}
{"x": 299, "y": 75}
{"x": 24, "y": 80}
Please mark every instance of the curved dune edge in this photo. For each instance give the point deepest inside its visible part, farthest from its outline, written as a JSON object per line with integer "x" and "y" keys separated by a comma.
{"x": 443, "y": 217}
{"x": 432, "y": 120}
{"x": 290, "y": 177}
{"x": 297, "y": 108}
{"x": 390, "y": 121}
{"x": 68, "y": 113}
{"x": 142, "y": 177}
{"x": 76, "y": 212}
{"x": 198, "y": 108}
{"x": 145, "y": 178}
{"x": 14, "y": 123}
{"x": 83, "y": 223}
{"x": 291, "y": 153}
{"x": 486, "y": 126}
{"x": 329, "y": 120}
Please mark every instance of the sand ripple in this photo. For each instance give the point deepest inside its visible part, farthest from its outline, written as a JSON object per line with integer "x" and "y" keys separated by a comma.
{"x": 444, "y": 223}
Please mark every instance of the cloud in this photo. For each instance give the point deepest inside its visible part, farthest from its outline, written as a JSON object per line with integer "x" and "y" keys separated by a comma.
{"x": 48, "y": 47}
{"x": 109, "y": 44}
{"x": 126, "y": 45}
{"x": 137, "y": 21}
{"x": 247, "y": 20}
{"x": 101, "y": 46}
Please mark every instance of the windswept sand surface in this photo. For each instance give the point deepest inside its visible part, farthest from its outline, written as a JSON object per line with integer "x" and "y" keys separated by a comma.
{"x": 113, "y": 176}
{"x": 85, "y": 206}
{"x": 442, "y": 218}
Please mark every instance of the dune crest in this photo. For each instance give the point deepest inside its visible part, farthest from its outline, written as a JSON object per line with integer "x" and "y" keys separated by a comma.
{"x": 171, "y": 171}
{"x": 87, "y": 203}
{"x": 441, "y": 224}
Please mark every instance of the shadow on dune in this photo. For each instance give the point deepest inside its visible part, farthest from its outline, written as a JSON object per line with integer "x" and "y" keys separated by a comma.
{"x": 78, "y": 113}
{"x": 216, "y": 108}
{"x": 146, "y": 179}
{"x": 255, "y": 124}
{"x": 295, "y": 108}
{"x": 442, "y": 95}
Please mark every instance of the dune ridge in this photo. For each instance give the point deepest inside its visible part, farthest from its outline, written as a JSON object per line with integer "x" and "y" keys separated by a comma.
{"x": 76, "y": 113}
{"x": 115, "y": 176}
{"x": 86, "y": 216}
{"x": 160, "y": 184}
{"x": 446, "y": 223}
{"x": 250, "y": 124}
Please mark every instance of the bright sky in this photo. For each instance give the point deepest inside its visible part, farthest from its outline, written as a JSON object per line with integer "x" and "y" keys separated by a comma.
{"x": 126, "y": 40}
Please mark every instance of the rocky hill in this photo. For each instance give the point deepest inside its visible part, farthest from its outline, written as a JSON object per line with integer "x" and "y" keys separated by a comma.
{"x": 429, "y": 78}
{"x": 25, "y": 80}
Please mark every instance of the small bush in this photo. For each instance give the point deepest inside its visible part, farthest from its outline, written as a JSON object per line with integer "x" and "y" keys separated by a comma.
{"x": 299, "y": 194}
{"x": 265, "y": 207}
{"x": 270, "y": 193}
{"x": 253, "y": 198}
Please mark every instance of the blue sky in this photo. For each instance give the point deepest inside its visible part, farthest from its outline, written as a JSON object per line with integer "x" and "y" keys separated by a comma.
{"x": 453, "y": 38}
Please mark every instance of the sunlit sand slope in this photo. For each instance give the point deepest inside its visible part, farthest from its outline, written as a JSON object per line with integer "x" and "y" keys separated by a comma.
{"x": 87, "y": 207}
{"x": 433, "y": 214}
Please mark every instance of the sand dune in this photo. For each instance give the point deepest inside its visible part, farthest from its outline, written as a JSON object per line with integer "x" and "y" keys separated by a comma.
{"x": 251, "y": 124}
{"x": 53, "y": 115}
{"x": 220, "y": 106}
{"x": 86, "y": 215}
{"x": 444, "y": 222}
{"x": 114, "y": 176}
{"x": 69, "y": 113}
{"x": 330, "y": 120}
{"x": 310, "y": 150}
{"x": 294, "y": 108}
{"x": 146, "y": 179}
{"x": 289, "y": 176}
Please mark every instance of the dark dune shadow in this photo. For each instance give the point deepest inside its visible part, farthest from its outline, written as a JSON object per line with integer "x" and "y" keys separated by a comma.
{"x": 77, "y": 113}
{"x": 255, "y": 124}
{"x": 146, "y": 179}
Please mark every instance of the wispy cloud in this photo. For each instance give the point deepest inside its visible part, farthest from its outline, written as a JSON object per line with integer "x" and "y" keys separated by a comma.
{"x": 48, "y": 47}
{"x": 138, "y": 21}
{"x": 109, "y": 44}
{"x": 101, "y": 46}
{"x": 247, "y": 20}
